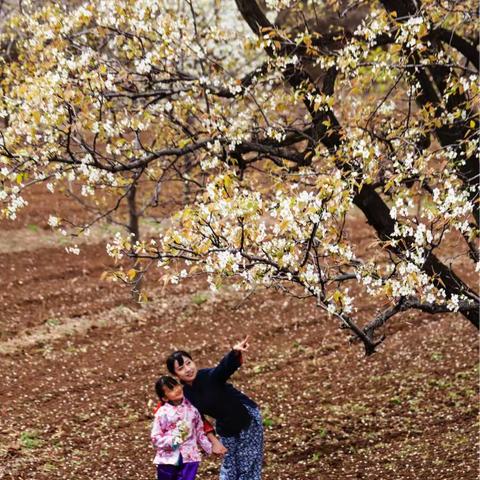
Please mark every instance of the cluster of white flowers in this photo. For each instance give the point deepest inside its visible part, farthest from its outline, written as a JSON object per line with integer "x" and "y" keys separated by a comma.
{"x": 349, "y": 57}
{"x": 401, "y": 206}
{"x": 15, "y": 203}
{"x": 369, "y": 277}
{"x": 53, "y": 221}
{"x": 412, "y": 281}
{"x": 75, "y": 250}
{"x": 320, "y": 102}
{"x": 115, "y": 249}
{"x": 454, "y": 206}
{"x": 375, "y": 24}
{"x": 411, "y": 31}
{"x": 276, "y": 5}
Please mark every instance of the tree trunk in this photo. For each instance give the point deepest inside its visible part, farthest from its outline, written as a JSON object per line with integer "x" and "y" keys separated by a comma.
{"x": 134, "y": 229}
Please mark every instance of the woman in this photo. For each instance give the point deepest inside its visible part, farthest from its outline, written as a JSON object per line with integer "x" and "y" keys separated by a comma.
{"x": 238, "y": 419}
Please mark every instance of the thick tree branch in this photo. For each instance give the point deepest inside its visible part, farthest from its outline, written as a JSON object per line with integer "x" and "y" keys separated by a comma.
{"x": 467, "y": 49}
{"x": 411, "y": 303}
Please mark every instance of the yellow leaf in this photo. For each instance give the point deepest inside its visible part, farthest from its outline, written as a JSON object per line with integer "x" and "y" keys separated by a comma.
{"x": 132, "y": 273}
{"x": 105, "y": 276}
{"x": 194, "y": 269}
{"x": 36, "y": 116}
{"x": 422, "y": 30}
{"x": 389, "y": 185}
{"x": 337, "y": 297}
{"x": 183, "y": 143}
{"x": 227, "y": 181}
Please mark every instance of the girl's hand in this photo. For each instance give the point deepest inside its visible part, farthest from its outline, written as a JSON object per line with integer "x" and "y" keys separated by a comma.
{"x": 242, "y": 346}
{"x": 218, "y": 448}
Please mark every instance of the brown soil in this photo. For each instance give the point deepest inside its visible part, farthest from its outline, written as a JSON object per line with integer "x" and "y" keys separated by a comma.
{"x": 79, "y": 360}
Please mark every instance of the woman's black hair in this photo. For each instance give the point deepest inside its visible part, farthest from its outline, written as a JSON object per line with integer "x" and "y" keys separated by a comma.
{"x": 163, "y": 382}
{"x": 176, "y": 357}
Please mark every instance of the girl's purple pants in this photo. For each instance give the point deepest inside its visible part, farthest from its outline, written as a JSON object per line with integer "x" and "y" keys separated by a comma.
{"x": 185, "y": 471}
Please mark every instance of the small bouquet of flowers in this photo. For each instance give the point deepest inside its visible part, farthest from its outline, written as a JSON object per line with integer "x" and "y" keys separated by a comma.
{"x": 182, "y": 433}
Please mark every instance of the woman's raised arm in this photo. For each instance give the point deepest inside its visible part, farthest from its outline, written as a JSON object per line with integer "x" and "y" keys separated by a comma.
{"x": 231, "y": 362}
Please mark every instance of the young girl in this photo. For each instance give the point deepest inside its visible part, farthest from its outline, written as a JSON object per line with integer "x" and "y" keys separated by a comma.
{"x": 176, "y": 433}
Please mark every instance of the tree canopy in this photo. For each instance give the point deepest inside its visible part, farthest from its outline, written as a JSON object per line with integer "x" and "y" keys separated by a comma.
{"x": 283, "y": 118}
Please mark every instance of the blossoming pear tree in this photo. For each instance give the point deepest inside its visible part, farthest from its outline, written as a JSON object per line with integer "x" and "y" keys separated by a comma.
{"x": 284, "y": 117}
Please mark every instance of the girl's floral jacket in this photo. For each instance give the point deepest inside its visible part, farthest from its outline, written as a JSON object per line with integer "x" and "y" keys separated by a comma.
{"x": 178, "y": 430}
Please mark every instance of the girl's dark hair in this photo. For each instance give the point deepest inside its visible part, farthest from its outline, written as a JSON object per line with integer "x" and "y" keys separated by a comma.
{"x": 176, "y": 357}
{"x": 163, "y": 382}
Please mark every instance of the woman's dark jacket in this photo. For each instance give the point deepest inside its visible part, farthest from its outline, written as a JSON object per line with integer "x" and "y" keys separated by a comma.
{"x": 213, "y": 396}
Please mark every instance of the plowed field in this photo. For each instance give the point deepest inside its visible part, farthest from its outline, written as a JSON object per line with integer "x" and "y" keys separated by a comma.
{"x": 79, "y": 360}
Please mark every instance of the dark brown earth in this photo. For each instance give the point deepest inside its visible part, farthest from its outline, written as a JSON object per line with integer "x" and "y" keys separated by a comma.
{"x": 79, "y": 360}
